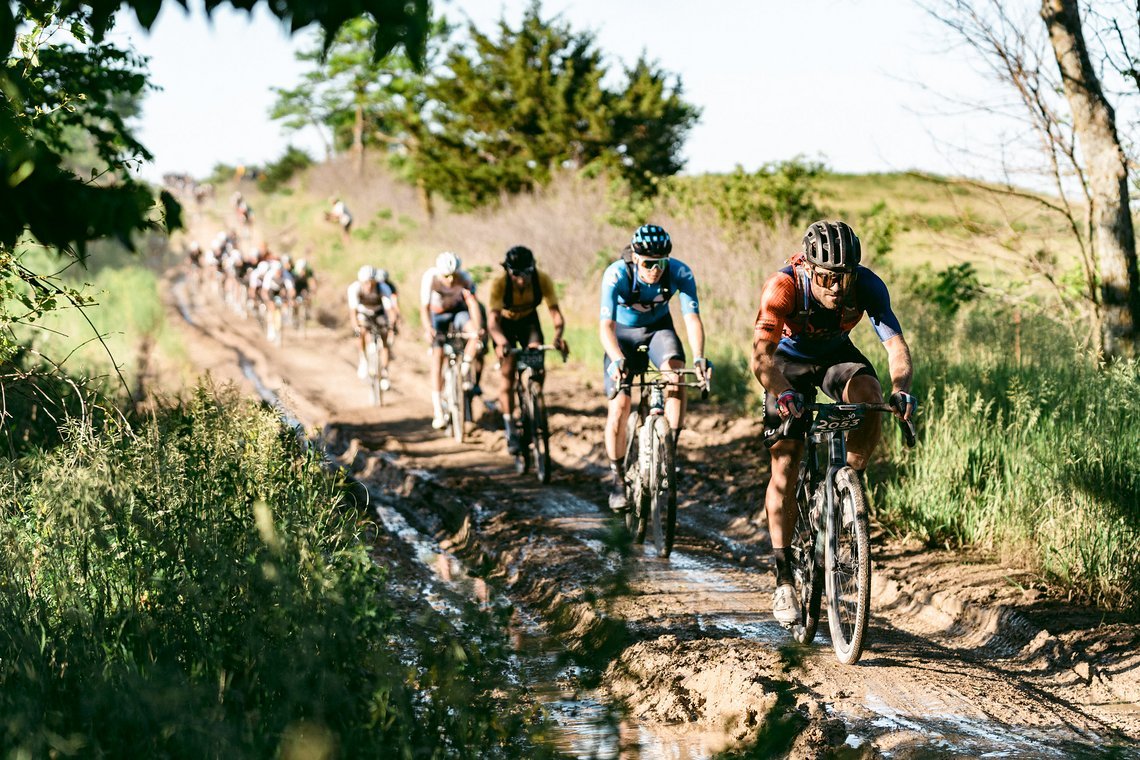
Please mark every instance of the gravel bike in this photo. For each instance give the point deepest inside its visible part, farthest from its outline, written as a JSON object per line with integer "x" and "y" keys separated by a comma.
{"x": 530, "y": 421}
{"x": 831, "y": 542}
{"x": 375, "y": 339}
{"x": 456, "y": 386}
{"x": 650, "y": 456}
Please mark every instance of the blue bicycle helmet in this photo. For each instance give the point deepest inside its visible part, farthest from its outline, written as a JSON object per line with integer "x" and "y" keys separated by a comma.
{"x": 652, "y": 241}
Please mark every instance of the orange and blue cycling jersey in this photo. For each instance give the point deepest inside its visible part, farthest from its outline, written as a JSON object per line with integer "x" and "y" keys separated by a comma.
{"x": 804, "y": 328}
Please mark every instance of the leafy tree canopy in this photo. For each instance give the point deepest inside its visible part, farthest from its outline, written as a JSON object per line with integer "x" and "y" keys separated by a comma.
{"x": 49, "y": 89}
{"x": 515, "y": 107}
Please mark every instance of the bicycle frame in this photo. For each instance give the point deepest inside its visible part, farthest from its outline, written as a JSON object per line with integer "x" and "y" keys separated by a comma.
{"x": 455, "y": 396}
{"x": 530, "y": 408}
{"x": 652, "y": 482}
{"x": 846, "y": 576}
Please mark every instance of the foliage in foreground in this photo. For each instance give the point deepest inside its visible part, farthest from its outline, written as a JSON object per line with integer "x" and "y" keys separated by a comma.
{"x": 1037, "y": 459}
{"x": 196, "y": 588}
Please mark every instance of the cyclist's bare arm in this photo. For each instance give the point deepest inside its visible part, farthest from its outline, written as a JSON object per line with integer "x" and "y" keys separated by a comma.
{"x": 696, "y": 330}
{"x": 495, "y": 328}
{"x": 764, "y": 366}
{"x": 425, "y": 315}
{"x": 559, "y": 323}
{"x": 607, "y": 331}
{"x": 898, "y": 360}
{"x": 473, "y": 310}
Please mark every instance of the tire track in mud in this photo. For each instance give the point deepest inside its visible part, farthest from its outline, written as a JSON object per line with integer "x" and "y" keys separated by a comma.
{"x": 689, "y": 642}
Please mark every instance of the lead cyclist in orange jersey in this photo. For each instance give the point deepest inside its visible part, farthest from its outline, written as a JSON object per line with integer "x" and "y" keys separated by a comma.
{"x": 801, "y": 342}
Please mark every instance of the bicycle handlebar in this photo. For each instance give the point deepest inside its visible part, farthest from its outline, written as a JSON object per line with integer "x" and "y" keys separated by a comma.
{"x": 544, "y": 347}
{"x": 907, "y": 426}
{"x": 656, "y": 377}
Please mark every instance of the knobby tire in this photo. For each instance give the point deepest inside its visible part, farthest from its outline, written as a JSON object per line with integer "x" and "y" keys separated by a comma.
{"x": 663, "y": 488}
{"x": 635, "y": 512}
{"x": 807, "y": 574}
{"x": 539, "y": 433}
{"x": 848, "y": 568}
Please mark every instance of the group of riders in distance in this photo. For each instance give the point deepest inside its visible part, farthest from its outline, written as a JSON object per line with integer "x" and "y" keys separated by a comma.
{"x": 800, "y": 344}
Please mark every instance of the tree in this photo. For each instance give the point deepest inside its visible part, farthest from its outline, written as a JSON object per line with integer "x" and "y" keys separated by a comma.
{"x": 360, "y": 100}
{"x": 1060, "y": 101}
{"x": 513, "y": 108}
{"x": 1095, "y": 123}
{"x": 37, "y": 192}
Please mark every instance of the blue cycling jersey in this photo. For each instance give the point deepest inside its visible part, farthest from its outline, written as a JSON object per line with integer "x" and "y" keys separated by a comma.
{"x": 641, "y": 304}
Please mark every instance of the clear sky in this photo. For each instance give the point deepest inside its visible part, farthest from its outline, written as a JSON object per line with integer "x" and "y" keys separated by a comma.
{"x": 832, "y": 79}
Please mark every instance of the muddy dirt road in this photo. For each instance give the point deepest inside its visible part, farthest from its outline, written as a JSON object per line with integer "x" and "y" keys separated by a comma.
{"x": 966, "y": 658}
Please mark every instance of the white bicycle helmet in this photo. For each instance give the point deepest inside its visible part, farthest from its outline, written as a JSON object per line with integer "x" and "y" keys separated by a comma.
{"x": 366, "y": 273}
{"x": 447, "y": 263}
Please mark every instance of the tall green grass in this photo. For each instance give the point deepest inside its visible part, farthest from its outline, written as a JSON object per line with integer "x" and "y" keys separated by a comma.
{"x": 198, "y": 588}
{"x": 1038, "y": 461}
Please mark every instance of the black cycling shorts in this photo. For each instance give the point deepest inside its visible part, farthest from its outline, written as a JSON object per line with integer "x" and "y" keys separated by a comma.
{"x": 522, "y": 332}
{"x": 829, "y": 375}
{"x": 657, "y": 343}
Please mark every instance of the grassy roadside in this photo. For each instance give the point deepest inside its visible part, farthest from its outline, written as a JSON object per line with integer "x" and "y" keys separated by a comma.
{"x": 197, "y": 587}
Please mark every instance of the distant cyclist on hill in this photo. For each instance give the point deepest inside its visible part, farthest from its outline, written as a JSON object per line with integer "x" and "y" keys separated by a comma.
{"x": 341, "y": 215}
{"x": 801, "y": 342}
{"x": 635, "y": 315}
{"x": 513, "y": 321}
{"x": 447, "y": 296}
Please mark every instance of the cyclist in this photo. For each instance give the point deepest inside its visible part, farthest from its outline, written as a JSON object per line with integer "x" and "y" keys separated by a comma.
{"x": 513, "y": 321}
{"x": 636, "y": 325}
{"x": 801, "y": 342}
{"x": 270, "y": 284}
{"x": 447, "y": 297}
{"x": 341, "y": 215}
{"x": 367, "y": 305}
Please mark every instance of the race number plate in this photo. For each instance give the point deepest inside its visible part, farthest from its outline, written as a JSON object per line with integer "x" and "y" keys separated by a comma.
{"x": 837, "y": 418}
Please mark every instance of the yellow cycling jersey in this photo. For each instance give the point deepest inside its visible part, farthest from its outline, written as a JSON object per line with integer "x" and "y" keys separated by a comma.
{"x": 523, "y": 303}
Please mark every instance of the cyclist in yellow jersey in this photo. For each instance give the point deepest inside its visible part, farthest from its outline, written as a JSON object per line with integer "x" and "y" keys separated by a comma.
{"x": 513, "y": 321}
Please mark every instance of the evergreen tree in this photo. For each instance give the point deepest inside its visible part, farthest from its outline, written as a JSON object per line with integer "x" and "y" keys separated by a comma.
{"x": 515, "y": 108}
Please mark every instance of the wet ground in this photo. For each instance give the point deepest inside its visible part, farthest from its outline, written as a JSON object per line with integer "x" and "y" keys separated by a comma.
{"x": 966, "y": 658}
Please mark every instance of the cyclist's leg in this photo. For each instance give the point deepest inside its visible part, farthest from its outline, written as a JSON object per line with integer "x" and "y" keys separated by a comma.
{"x": 511, "y": 331}
{"x": 780, "y": 494}
{"x": 630, "y": 339}
{"x": 851, "y": 378}
{"x": 441, "y": 324}
{"x": 667, "y": 352}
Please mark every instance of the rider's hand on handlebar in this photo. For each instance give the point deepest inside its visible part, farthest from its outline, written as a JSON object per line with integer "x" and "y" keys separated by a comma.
{"x": 904, "y": 404}
{"x": 430, "y": 333}
{"x": 563, "y": 347}
{"x": 617, "y": 371}
{"x": 790, "y": 403}
{"x": 704, "y": 369}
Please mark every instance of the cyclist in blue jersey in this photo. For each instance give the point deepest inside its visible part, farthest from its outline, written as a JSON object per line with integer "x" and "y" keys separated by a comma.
{"x": 807, "y": 310}
{"x": 636, "y": 326}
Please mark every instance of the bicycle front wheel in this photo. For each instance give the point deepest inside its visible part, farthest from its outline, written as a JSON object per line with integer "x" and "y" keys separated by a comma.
{"x": 848, "y": 568}
{"x": 635, "y": 511}
{"x": 807, "y": 575}
{"x": 663, "y": 488}
{"x": 539, "y": 434}
{"x": 454, "y": 399}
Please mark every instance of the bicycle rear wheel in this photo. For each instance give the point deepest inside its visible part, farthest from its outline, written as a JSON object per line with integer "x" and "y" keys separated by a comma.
{"x": 662, "y": 488}
{"x": 848, "y": 568}
{"x": 635, "y": 512}
{"x": 539, "y": 433}
{"x": 807, "y": 575}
